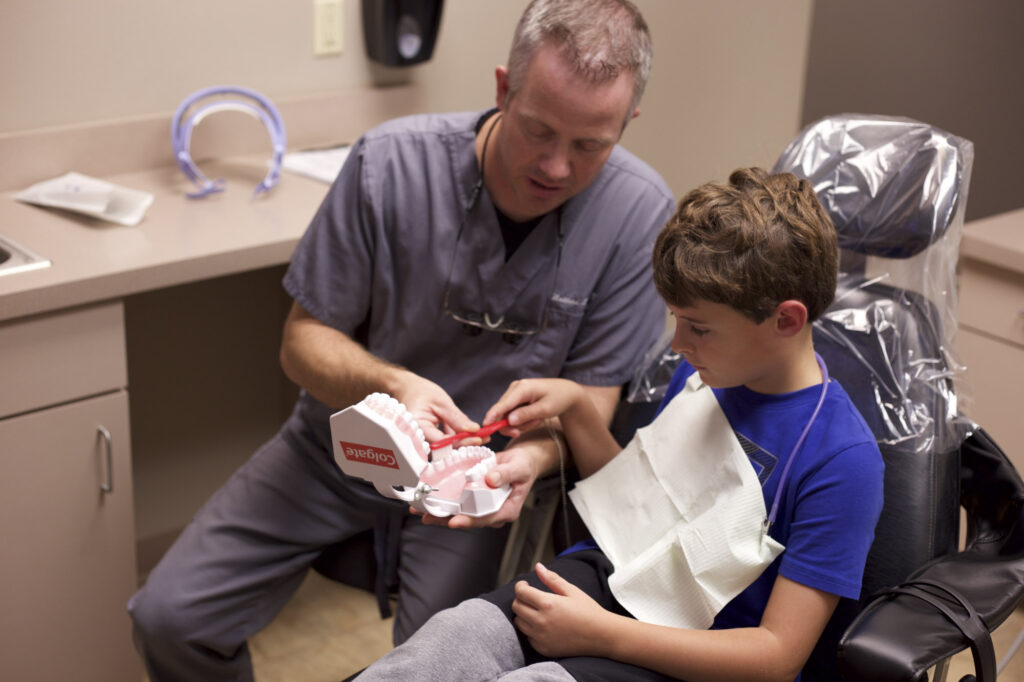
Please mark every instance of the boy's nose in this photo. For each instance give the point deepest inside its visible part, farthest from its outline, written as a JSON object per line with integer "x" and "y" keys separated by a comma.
{"x": 679, "y": 343}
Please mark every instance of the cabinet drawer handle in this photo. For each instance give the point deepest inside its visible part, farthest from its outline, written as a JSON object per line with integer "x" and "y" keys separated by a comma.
{"x": 108, "y": 446}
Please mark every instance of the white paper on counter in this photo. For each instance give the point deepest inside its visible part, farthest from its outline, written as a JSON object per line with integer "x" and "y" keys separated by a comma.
{"x": 89, "y": 196}
{"x": 319, "y": 164}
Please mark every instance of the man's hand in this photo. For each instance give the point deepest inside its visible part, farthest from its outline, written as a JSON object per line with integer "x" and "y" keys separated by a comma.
{"x": 518, "y": 466}
{"x": 528, "y": 403}
{"x": 560, "y": 623}
{"x": 431, "y": 406}
{"x": 340, "y": 372}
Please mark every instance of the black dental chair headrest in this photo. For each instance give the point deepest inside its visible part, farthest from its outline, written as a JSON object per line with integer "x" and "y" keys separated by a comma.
{"x": 854, "y": 159}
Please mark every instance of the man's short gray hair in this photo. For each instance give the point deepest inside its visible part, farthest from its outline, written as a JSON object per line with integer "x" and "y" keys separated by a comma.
{"x": 600, "y": 38}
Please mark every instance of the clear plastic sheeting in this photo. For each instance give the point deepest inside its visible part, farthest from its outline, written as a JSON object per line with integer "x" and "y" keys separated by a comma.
{"x": 651, "y": 377}
{"x": 896, "y": 189}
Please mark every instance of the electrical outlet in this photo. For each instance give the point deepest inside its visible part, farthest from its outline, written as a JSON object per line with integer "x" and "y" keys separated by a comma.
{"x": 327, "y": 25}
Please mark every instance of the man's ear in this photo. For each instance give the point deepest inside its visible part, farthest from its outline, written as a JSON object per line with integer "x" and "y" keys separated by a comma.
{"x": 501, "y": 81}
{"x": 790, "y": 317}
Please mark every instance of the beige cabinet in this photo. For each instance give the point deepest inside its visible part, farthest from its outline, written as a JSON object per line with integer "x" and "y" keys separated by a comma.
{"x": 66, "y": 520}
{"x": 991, "y": 344}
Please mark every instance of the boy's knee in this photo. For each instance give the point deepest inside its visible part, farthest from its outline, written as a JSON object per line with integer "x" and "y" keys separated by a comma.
{"x": 473, "y": 640}
{"x": 476, "y": 622}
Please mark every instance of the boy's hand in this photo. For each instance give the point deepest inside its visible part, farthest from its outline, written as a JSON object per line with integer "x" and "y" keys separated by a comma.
{"x": 565, "y": 623}
{"x": 529, "y": 402}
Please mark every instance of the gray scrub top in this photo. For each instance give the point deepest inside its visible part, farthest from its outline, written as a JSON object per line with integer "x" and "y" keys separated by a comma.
{"x": 376, "y": 259}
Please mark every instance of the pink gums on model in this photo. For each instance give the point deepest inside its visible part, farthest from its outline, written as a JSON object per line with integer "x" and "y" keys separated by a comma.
{"x": 464, "y": 468}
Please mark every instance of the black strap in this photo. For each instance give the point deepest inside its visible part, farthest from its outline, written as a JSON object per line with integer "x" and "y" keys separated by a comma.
{"x": 387, "y": 538}
{"x": 970, "y": 625}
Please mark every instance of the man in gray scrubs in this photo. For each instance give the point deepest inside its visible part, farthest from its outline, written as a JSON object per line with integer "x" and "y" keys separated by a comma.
{"x": 453, "y": 254}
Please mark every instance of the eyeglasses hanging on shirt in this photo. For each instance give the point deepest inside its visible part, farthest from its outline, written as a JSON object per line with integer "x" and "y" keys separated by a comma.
{"x": 512, "y": 327}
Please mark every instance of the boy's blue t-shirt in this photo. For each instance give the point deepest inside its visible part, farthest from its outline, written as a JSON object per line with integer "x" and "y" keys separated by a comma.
{"x": 832, "y": 498}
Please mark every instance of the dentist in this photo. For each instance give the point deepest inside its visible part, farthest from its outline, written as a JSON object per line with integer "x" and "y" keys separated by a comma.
{"x": 454, "y": 254}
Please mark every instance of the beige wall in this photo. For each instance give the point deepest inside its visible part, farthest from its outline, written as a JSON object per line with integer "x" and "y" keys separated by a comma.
{"x": 954, "y": 64}
{"x": 725, "y": 89}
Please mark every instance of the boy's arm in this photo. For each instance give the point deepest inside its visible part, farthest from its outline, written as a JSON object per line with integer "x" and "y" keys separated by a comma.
{"x": 566, "y": 622}
{"x": 529, "y": 403}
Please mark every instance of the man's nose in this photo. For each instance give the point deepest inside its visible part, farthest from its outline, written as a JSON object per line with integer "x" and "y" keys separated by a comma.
{"x": 555, "y": 163}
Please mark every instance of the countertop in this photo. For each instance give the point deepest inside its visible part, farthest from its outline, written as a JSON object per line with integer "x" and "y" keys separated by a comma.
{"x": 997, "y": 240}
{"x": 183, "y": 240}
{"x": 179, "y": 240}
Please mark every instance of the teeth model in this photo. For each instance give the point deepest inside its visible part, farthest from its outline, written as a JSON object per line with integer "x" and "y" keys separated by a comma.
{"x": 378, "y": 440}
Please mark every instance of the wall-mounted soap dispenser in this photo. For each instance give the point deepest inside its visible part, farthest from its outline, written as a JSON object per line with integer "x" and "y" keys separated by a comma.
{"x": 401, "y": 32}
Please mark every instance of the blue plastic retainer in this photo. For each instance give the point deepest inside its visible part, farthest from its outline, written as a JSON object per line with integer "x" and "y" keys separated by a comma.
{"x": 253, "y": 103}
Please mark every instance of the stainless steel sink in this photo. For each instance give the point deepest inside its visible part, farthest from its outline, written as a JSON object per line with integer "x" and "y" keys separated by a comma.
{"x": 15, "y": 258}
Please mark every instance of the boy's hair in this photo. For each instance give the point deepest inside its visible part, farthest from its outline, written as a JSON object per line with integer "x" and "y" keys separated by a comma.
{"x": 600, "y": 38}
{"x": 749, "y": 244}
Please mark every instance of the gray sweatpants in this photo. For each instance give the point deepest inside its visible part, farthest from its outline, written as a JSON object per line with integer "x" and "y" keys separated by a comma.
{"x": 471, "y": 642}
{"x": 248, "y": 549}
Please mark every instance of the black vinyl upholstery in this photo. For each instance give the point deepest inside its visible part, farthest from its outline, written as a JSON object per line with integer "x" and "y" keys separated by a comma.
{"x": 898, "y": 637}
{"x": 896, "y": 187}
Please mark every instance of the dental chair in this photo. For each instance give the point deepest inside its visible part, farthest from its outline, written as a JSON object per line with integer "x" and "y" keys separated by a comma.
{"x": 896, "y": 190}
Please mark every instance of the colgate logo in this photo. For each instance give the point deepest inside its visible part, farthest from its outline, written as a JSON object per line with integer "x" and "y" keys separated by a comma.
{"x": 369, "y": 454}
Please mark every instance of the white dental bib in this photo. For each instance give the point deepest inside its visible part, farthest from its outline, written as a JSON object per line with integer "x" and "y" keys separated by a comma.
{"x": 680, "y": 514}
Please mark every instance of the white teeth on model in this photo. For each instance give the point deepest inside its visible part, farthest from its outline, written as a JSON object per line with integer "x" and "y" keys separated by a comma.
{"x": 476, "y": 452}
{"x": 476, "y": 472}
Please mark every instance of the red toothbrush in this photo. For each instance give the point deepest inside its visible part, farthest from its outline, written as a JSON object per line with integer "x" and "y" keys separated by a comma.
{"x": 461, "y": 435}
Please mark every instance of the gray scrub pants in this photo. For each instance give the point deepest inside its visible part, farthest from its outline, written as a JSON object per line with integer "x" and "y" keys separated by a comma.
{"x": 476, "y": 641}
{"x": 248, "y": 549}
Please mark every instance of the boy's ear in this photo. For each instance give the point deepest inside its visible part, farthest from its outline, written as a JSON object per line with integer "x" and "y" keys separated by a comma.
{"x": 790, "y": 317}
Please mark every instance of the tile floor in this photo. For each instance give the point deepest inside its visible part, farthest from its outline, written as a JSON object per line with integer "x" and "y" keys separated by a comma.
{"x": 328, "y": 631}
{"x": 324, "y": 634}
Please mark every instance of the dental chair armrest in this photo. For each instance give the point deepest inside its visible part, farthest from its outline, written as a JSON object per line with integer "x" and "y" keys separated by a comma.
{"x": 940, "y": 611}
{"x": 955, "y": 601}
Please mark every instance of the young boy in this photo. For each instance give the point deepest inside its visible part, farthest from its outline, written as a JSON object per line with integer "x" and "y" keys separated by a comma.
{"x": 745, "y": 268}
